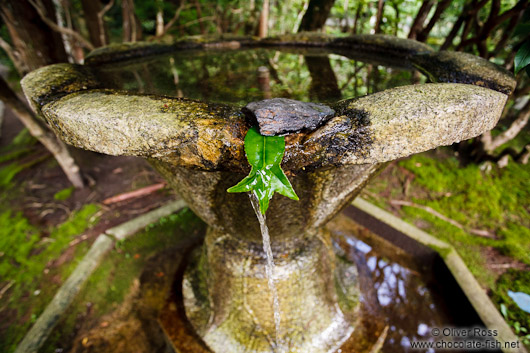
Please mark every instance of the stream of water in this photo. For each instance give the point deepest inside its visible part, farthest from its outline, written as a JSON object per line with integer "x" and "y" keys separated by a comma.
{"x": 269, "y": 269}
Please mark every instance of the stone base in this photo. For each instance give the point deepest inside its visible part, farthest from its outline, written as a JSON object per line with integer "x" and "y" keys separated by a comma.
{"x": 318, "y": 294}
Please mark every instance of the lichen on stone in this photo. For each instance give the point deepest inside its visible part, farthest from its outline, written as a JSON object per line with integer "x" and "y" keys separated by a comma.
{"x": 457, "y": 67}
{"x": 51, "y": 82}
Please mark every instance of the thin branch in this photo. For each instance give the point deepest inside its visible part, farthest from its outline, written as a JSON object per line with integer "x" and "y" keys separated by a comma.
{"x": 420, "y": 18}
{"x": 468, "y": 11}
{"x": 380, "y": 341}
{"x": 101, "y": 22}
{"x": 513, "y": 130}
{"x": 494, "y": 19}
{"x": 507, "y": 33}
{"x": 199, "y": 16}
{"x": 5, "y": 288}
{"x": 134, "y": 194}
{"x": 159, "y": 18}
{"x": 174, "y": 18}
{"x": 440, "y": 8}
{"x": 481, "y": 233}
{"x": 55, "y": 27}
{"x": 524, "y": 155}
{"x": 199, "y": 20}
{"x": 12, "y": 54}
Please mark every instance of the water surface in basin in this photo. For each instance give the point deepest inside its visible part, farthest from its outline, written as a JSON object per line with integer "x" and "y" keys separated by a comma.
{"x": 242, "y": 76}
{"x": 402, "y": 297}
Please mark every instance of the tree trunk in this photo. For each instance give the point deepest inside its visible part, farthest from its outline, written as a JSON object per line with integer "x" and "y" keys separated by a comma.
{"x": 316, "y": 15}
{"x": 91, "y": 8}
{"x": 132, "y": 30}
{"x": 396, "y": 9}
{"x": 35, "y": 42}
{"x": 379, "y": 16}
{"x": 159, "y": 18}
{"x": 199, "y": 15}
{"x": 440, "y": 8}
{"x": 41, "y": 133}
{"x": 264, "y": 20}
{"x": 357, "y": 18}
{"x": 423, "y": 12}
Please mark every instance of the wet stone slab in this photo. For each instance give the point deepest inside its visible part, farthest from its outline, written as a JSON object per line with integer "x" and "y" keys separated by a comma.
{"x": 456, "y": 67}
{"x": 280, "y": 116}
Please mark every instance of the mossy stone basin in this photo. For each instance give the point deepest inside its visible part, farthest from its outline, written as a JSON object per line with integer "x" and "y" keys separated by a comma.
{"x": 128, "y": 100}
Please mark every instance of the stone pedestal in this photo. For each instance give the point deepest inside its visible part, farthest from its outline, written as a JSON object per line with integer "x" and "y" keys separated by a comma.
{"x": 228, "y": 301}
{"x": 225, "y": 288}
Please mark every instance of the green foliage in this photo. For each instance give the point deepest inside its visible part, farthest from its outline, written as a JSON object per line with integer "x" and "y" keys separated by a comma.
{"x": 26, "y": 253}
{"x": 8, "y": 172}
{"x": 522, "y": 58}
{"x": 19, "y": 146}
{"x": 517, "y": 281}
{"x": 17, "y": 239}
{"x": 64, "y": 194}
{"x": 265, "y": 153}
{"x": 112, "y": 279}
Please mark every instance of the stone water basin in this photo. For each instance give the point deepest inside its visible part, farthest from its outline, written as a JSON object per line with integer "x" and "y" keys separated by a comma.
{"x": 182, "y": 110}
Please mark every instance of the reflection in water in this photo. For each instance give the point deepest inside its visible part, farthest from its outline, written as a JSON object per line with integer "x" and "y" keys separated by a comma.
{"x": 324, "y": 86}
{"x": 242, "y": 76}
{"x": 398, "y": 302}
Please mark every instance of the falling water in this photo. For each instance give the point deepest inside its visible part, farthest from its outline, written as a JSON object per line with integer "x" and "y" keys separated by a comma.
{"x": 269, "y": 268}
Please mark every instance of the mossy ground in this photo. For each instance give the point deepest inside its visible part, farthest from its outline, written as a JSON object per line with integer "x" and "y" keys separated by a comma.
{"x": 46, "y": 226}
{"x": 25, "y": 266}
{"x": 491, "y": 199}
{"x": 111, "y": 282}
{"x": 28, "y": 280}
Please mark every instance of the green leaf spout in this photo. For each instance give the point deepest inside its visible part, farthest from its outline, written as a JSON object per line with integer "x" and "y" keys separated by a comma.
{"x": 265, "y": 153}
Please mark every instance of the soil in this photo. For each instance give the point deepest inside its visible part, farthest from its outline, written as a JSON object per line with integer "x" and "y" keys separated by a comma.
{"x": 106, "y": 176}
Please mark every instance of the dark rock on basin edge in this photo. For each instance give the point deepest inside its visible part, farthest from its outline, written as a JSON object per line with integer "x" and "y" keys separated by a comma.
{"x": 282, "y": 116}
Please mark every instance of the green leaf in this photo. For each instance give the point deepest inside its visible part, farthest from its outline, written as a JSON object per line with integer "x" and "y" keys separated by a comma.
{"x": 521, "y": 29}
{"x": 522, "y": 58}
{"x": 265, "y": 153}
{"x": 504, "y": 311}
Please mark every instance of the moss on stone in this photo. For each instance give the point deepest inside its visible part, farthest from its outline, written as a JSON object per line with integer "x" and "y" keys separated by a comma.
{"x": 125, "y": 51}
{"x": 457, "y": 67}
{"x": 49, "y": 83}
{"x": 382, "y": 43}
